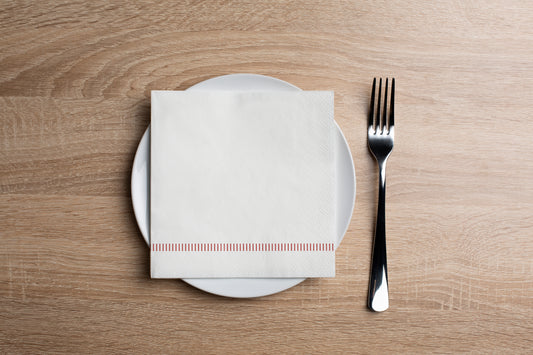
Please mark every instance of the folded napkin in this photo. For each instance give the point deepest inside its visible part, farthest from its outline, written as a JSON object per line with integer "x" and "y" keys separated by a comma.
{"x": 242, "y": 184}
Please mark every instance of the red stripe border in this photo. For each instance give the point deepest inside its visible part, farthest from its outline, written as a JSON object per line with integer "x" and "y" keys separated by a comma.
{"x": 241, "y": 247}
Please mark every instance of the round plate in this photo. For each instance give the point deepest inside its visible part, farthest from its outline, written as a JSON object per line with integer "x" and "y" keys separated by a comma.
{"x": 243, "y": 287}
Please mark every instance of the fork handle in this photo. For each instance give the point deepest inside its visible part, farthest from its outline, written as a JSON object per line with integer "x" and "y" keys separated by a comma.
{"x": 378, "y": 290}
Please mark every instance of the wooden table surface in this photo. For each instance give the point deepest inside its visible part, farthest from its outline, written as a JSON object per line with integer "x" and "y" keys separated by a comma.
{"x": 75, "y": 81}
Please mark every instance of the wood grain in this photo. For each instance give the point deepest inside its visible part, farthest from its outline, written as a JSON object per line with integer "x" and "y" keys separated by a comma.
{"x": 75, "y": 79}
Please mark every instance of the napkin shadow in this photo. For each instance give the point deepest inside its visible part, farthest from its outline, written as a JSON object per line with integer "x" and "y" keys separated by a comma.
{"x": 142, "y": 116}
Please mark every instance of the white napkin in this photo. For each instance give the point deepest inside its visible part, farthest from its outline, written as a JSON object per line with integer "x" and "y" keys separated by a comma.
{"x": 242, "y": 184}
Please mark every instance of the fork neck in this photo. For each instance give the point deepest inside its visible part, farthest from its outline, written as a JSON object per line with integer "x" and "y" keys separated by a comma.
{"x": 382, "y": 167}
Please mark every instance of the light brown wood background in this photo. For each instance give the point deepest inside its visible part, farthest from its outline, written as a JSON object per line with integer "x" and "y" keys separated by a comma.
{"x": 75, "y": 79}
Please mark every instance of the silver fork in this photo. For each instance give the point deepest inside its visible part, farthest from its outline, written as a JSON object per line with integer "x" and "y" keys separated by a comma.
{"x": 380, "y": 143}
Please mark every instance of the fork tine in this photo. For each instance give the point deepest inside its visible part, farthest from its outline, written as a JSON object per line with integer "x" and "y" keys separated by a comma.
{"x": 391, "y": 117}
{"x": 378, "y": 111}
{"x": 385, "y": 105}
{"x": 372, "y": 104}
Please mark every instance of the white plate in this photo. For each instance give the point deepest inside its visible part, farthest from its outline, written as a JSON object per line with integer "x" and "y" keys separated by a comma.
{"x": 243, "y": 287}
